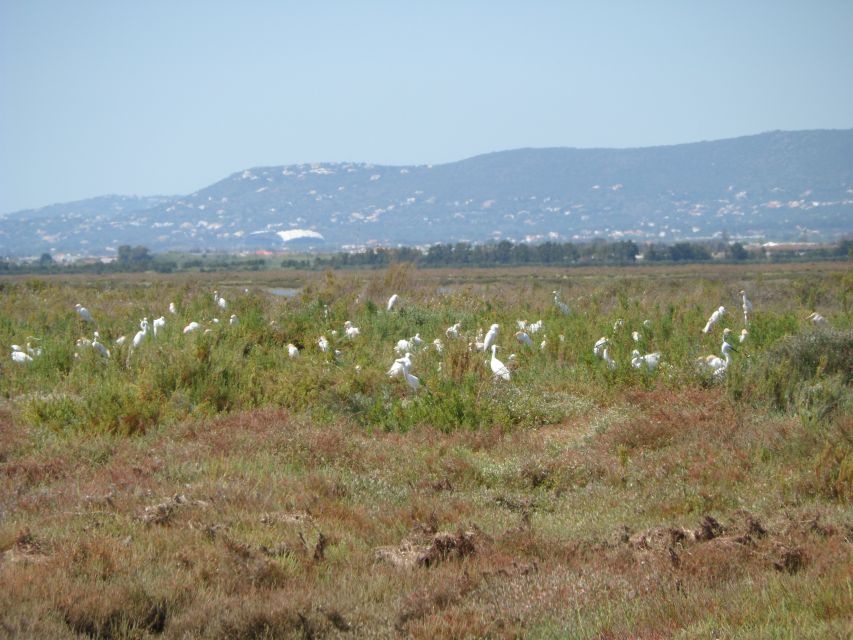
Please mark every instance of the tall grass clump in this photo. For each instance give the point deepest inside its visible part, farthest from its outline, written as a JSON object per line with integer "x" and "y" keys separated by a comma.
{"x": 811, "y": 374}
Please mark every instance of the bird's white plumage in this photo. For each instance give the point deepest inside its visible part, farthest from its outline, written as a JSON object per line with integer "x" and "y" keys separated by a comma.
{"x": 490, "y": 338}
{"x": 498, "y": 368}
{"x": 715, "y": 317}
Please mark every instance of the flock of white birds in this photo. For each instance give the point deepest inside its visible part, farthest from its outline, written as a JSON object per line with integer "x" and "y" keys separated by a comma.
{"x": 405, "y": 347}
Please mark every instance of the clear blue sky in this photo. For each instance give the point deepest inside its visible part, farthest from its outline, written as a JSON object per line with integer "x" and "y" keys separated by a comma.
{"x": 165, "y": 97}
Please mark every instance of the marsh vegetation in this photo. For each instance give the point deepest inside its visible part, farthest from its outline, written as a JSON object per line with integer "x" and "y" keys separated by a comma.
{"x": 209, "y": 485}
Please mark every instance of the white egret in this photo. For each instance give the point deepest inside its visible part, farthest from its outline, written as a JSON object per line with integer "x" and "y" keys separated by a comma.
{"x": 233, "y": 320}
{"x": 417, "y": 340}
{"x": 400, "y": 364}
{"x": 35, "y": 352}
{"x": 611, "y": 363}
{"x": 120, "y": 340}
{"x": 21, "y": 357}
{"x": 650, "y": 360}
{"x": 352, "y": 332}
{"x": 140, "y": 335}
{"x": 747, "y": 307}
{"x": 715, "y": 317}
{"x": 403, "y": 345}
{"x": 173, "y": 309}
{"x": 598, "y": 347}
{"x": 816, "y": 318}
{"x": 491, "y": 336}
{"x": 534, "y": 327}
{"x": 521, "y": 324}
{"x": 221, "y": 303}
{"x": 292, "y": 350}
{"x": 392, "y": 301}
{"x": 192, "y": 326}
{"x": 83, "y": 312}
{"x": 562, "y": 306}
{"x": 96, "y": 344}
{"x": 618, "y": 324}
{"x": 323, "y": 344}
{"x": 647, "y": 324}
{"x": 743, "y": 335}
{"x": 413, "y": 381}
{"x": 158, "y": 325}
{"x": 522, "y": 337}
{"x": 438, "y": 344}
{"x": 543, "y": 345}
{"x": 453, "y": 331}
{"x": 716, "y": 365}
{"x": 635, "y": 336}
{"x": 498, "y": 367}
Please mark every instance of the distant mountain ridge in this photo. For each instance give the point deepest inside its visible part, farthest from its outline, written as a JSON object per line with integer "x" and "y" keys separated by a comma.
{"x": 772, "y": 186}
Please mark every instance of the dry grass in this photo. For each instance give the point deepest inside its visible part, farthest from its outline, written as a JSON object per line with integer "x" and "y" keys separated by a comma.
{"x": 262, "y": 524}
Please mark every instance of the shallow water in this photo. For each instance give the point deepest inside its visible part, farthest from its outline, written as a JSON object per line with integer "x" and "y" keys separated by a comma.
{"x": 285, "y": 293}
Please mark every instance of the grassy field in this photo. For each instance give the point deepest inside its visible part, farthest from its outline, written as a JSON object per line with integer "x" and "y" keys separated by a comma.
{"x": 208, "y": 485}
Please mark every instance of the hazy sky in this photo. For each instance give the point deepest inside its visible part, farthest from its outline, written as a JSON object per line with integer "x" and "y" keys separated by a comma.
{"x": 165, "y": 97}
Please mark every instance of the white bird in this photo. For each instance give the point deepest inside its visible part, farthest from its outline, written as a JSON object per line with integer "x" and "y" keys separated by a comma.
{"x": 21, "y": 357}
{"x": 393, "y": 300}
{"x": 618, "y": 324}
{"x": 417, "y": 340}
{"x": 649, "y": 360}
{"x": 816, "y": 318}
{"x": 453, "y": 331}
{"x": 522, "y": 337}
{"x": 83, "y": 312}
{"x": 399, "y": 366}
{"x": 647, "y": 324}
{"x": 233, "y": 320}
{"x": 323, "y": 344}
{"x": 438, "y": 344}
{"x": 498, "y": 367}
{"x": 140, "y": 335}
{"x": 562, "y": 306}
{"x": 120, "y": 340}
{"x": 521, "y": 324}
{"x": 543, "y": 345}
{"x": 173, "y": 309}
{"x": 719, "y": 313}
{"x": 743, "y": 335}
{"x": 403, "y": 346}
{"x": 611, "y": 363}
{"x": 192, "y": 326}
{"x": 635, "y": 336}
{"x": 159, "y": 323}
{"x": 413, "y": 381}
{"x": 292, "y": 351}
{"x": 351, "y": 331}
{"x": 598, "y": 347}
{"x": 747, "y": 307}
{"x": 35, "y": 352}
{"x": 534, "y": 327}
{"x": 221, "y": 303}
{"x": 96, "y": 344}
{"x": 716, "y": 365}
{"x": 491, "y": 336}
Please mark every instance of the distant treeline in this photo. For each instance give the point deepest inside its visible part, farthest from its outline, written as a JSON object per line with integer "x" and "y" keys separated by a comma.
{"x": 506, "y": 253}
{"x": 461, "y": 254}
